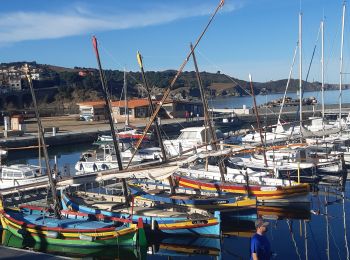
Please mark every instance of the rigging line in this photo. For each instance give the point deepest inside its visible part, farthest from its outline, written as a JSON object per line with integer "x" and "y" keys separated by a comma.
{"x": 314, "y": 240}
{"x": 288, "y": 82}
{"x": 335, "y": 244}
{"x": 105, "y": 50}
{"x": 228, "y": 77}
{"x": 332, "y": 49}
{"x": 307, "y": 76}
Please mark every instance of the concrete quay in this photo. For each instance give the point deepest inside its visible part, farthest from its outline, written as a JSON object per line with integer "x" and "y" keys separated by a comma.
{"x": 72, "y": 131}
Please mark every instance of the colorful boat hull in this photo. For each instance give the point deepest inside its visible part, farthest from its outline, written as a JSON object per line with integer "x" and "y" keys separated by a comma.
{"x": 262, "y": 193}
{"x": 166, "y": 225}
{"x": 66, "y": 232}
{"x": 213, "y": 203}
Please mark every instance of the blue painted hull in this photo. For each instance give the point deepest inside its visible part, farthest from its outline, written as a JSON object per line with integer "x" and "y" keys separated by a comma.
{"x": 208, "y": 230}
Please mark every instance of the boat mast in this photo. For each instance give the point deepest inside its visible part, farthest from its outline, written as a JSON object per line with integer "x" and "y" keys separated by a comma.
{"x": 126, "y": 100}
{"x": 322, "y": 68}
{"x": 341, "y": 64}
{"x": 207, "y": 118}
{"x": 167, "y": 91}
{"x": 145, "y": 82}
{"x": 56, "y": 204}
{"x": 300, "y": 73}
{"x": 107, "y": 99}
{"x": 258, "y": 119}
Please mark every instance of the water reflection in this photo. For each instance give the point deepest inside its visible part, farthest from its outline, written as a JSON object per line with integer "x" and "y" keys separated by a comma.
{"x": 318, "y": 230}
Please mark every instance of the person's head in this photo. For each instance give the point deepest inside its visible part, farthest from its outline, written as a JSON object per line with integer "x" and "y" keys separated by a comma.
{"x": 261, "y": 226}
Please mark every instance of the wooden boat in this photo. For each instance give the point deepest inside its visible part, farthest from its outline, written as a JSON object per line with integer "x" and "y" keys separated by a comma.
{"x": 10, "y": 240}
{"x": 189, "y": 197}
{"x": 289, "y": 192}
{"x": 73, "y": 229}
{"x": 162, "y": 220}
{"x": 66, "y": 228}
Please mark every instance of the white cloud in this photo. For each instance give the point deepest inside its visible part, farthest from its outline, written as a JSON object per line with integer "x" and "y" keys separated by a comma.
{"x": 22, "y": 26}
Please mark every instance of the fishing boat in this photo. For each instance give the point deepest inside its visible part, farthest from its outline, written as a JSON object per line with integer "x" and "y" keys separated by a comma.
{"x": 66, "y": 228}
{"x": 104, "y": 158}
{"x": 271, "y": 191}
{"x": 124, "y": 252}
{"x": 129, "y": 134}
{"x": 20, "y": 174}
{"x": 156, "y": 220}
{"x": 72, "y": 229}
{"x": 159, "y": 193}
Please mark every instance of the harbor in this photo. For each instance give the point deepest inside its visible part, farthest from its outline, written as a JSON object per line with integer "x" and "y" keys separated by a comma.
{"x": 169, "y": 157}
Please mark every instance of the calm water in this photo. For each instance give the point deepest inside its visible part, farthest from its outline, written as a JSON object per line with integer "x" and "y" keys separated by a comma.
{"x": 294, "y": 233}
{"x": 331, "y": 97}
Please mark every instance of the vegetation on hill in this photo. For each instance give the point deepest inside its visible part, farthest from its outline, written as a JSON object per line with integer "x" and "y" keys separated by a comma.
{"x": 71, "y": 87}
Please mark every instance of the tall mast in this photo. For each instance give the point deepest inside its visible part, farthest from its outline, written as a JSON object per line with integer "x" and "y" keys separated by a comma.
{"x": 257, "y": 119}
{"x": 145, "y": 82}
{"x": 341, "y": 64}
{"x": 206, "y": 114}
{"x": 300, "y": 71}
{"x": 126, "y": 108}
{"x": 107, "y": 99}
{"x": 322, "y": 67}
{"x": 56, "y": 203}
{"x": 167, "y": 91}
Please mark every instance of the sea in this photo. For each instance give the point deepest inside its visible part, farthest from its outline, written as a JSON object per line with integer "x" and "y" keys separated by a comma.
{"x": 331, "y": 97}
{"x": 316, "y": 230}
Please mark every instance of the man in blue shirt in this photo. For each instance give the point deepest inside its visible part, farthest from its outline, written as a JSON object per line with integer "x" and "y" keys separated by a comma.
{"x": 259, "y": 245}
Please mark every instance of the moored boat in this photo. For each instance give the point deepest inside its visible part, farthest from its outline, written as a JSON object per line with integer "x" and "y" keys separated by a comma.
{"x": 280, "y": 192}
{"x": 72, "y": 229}
{"x": 21, "y": 174}
{"x": 166, "y": 221}
{"x": 158, "y": 193}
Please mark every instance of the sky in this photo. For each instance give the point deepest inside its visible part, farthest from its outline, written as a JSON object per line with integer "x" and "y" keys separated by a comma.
{"x": 247, "y": 36}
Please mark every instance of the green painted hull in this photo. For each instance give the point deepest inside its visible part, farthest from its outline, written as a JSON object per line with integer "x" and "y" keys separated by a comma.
{"x": 129, "y": 239}
{"x": 124, "y": 252}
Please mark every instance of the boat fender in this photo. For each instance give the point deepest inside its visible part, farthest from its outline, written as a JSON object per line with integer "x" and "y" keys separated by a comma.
{"x": 86, "y": 238}
{"x": 81, "y": 167}
{"x": 94, "y": 167}
{"x": 52, "y": 234}
{"x": 104, "y": 167}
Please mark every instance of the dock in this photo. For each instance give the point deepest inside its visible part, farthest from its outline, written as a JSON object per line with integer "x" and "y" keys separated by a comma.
{"x": 74, "y": 132}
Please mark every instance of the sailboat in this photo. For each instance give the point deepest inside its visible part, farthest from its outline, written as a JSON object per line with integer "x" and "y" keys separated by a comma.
{"x": 56, "y": 227}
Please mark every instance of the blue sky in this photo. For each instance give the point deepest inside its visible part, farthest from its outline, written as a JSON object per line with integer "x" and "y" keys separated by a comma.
{"x": 247, "y": 36}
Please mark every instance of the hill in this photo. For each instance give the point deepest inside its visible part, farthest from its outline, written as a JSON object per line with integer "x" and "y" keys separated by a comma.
{"x": 77, "y": 84}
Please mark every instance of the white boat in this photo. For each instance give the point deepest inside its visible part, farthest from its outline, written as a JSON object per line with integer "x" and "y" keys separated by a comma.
{"x": 21, "y": 174}
{"x": 100, "y": 160}
{"x": 189, "y": 138}
{"x": 3, "y": 153}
